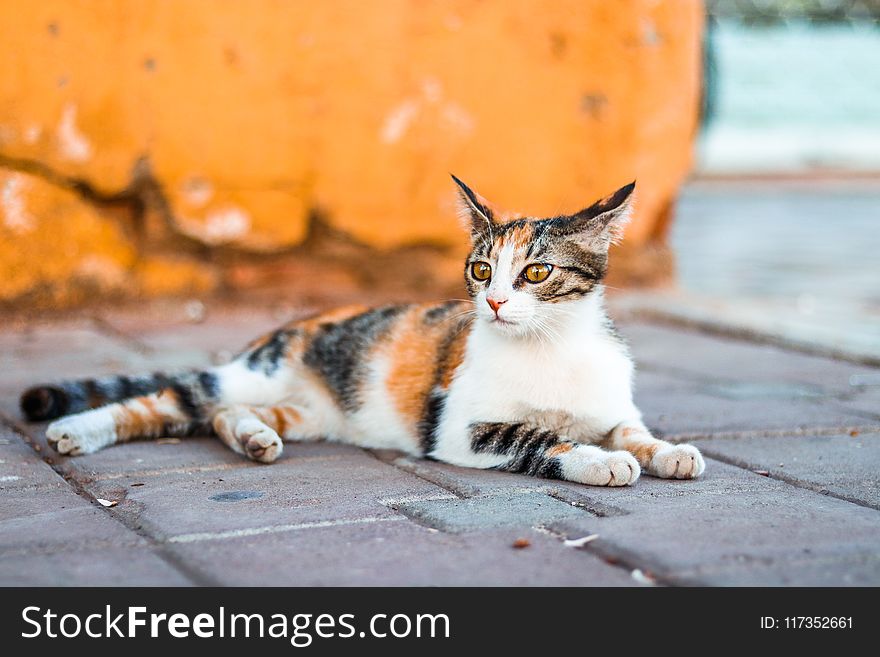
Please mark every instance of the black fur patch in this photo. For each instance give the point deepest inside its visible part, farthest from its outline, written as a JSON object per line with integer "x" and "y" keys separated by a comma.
{"x": 337, "y": 351}
{"x": 434, "y": 407}
{"x": 439, "y": 313}
{"x": 210, "y": 384}
{"x": 267, "y": 357}
{"x": 186, "y": 400}
{"x": 525, "y": 445}
{"x": 436, "y": 402}
{"x": 44, "y": 403}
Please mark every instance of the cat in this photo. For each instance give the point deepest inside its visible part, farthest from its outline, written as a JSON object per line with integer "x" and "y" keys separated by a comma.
{"x": 528, "y": 376}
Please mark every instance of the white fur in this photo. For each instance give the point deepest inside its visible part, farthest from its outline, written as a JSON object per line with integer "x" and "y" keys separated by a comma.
{"x": 377, "y": 423}
{"x": 242, "y": 385}
{"x": 587, "y": 464}
{"x": 83, "y": 433}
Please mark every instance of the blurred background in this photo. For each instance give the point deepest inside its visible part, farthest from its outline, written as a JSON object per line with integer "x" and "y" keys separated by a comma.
{"x": 298, "y": 150}
{"x": 778, "y": 231}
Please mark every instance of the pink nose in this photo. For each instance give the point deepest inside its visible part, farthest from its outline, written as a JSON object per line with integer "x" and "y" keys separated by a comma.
{"x": 495, "y": 304}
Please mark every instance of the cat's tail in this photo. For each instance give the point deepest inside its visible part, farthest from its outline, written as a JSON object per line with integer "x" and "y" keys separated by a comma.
{"x": 50, "y": 401}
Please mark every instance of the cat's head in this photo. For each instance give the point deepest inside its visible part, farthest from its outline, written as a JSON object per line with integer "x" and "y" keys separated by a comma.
{"x": 525, "y": 274}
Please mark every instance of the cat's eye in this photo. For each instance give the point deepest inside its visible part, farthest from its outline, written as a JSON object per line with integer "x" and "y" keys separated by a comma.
{"x": 481, "y": 271}
{"x": 537, "y": 273}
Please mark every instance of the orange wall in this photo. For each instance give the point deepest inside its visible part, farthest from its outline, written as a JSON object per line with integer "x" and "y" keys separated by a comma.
{"x": 249, "y": 114}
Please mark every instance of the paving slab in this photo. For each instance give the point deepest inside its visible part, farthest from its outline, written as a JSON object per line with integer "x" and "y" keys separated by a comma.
{"x": 728, "y": 520}
{"x": 21, "y": 468}
{"x": 148, "y": 456}
{"x": 50, "y": 535}
{"x": 51, "y": 521}
{"x": 96, "y": 566}
{"x": 502, "y": 510}
{"x": 735, "y": 367}
{"x": 839, "y": 569}
{"x": 343, "y": 483}
{"x": 713, "y": 357}
{"x": 676, "y": 407}
{"x": 38, "y": 353}
{"x": 845, "y": 465}
{"x": 398, "y": 553}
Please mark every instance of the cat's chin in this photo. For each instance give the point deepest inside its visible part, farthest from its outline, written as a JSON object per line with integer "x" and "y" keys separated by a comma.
{"x": 508, "y": 327}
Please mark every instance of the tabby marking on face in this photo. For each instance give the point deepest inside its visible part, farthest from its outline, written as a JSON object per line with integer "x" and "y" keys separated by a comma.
{"x": 528, "y": 376}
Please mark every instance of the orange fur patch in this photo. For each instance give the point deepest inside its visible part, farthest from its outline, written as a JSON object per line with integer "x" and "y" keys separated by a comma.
{"x": 519, "y": 238}
{"x": 556, "y": 450}
{"x": 139, "y": 422}
{"x": 643, "y": 451}
{"x": 280, "y": 418}
{"x": 413, "y": 353}
{"x": 415, "y": 350}
{"x": 454, "y": 357}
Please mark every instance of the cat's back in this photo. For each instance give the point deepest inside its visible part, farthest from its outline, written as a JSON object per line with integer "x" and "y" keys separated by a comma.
{"x": 379, "y": 367}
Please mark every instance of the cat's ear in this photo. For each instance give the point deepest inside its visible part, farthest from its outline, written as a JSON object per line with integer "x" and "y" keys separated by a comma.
{"x": 475, "y": 210}
{"x": 602, "y": 224}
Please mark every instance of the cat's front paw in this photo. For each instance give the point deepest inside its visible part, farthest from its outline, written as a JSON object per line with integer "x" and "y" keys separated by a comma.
{"x": 82, "y": 434}
{"x": 677, "y": 462}
{"x": 260, "y": 442}
{"x": 610, "y": 469}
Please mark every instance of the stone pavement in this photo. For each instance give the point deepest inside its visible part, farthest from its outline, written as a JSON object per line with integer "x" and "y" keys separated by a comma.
{"x": 791, "y": 494}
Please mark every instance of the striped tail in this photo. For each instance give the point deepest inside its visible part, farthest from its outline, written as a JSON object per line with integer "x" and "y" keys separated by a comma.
{"x": 47, "y": 402}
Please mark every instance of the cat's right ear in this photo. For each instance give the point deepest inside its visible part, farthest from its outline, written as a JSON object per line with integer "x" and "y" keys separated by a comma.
{"x": 475, "y": 211}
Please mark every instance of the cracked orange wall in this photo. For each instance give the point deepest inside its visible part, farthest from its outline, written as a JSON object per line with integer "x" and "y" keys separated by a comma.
{"x": 250, "y": 114}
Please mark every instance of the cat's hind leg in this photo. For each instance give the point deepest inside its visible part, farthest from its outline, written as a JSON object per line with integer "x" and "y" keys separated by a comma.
{"x": 657, "y": 457}
{"x": 257, "y": 431}
{"x": 168, "y": 412}
{"x": 525, "y": 448}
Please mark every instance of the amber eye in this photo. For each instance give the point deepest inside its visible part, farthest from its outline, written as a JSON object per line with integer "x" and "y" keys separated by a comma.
{"x": 481, "y": 270}
{"x": 537, "y": 273}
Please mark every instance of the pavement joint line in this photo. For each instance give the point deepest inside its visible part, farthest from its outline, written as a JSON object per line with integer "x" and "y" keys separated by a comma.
{"x": 198, "y": 537}
{"x": 744, "y": 334}
{"x": 222, "y": 467}
{"x": 435, "y": 497}
{"x": 608, "y": 556}
{"x": 402, "y": 463}
{"x": 772, "y": 433}
{"x": 624, "y": 560}
{"x": 790, "y": 480}
{"x": 585, "y": 503}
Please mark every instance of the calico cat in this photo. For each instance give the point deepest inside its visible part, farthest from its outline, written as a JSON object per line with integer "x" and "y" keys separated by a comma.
{"x": 529, "y": 376}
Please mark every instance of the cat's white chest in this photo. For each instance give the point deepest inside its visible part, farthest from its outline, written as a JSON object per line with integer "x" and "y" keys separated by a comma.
{"x": 588, "y": 377}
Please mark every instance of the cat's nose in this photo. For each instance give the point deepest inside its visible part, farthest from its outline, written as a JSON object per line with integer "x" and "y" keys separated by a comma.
{"x": 495, "y": 304}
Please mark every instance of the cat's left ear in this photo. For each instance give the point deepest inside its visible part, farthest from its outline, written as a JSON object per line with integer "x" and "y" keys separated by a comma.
{"x": 476, "y": 211}
{"x": 602, "y": 224}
